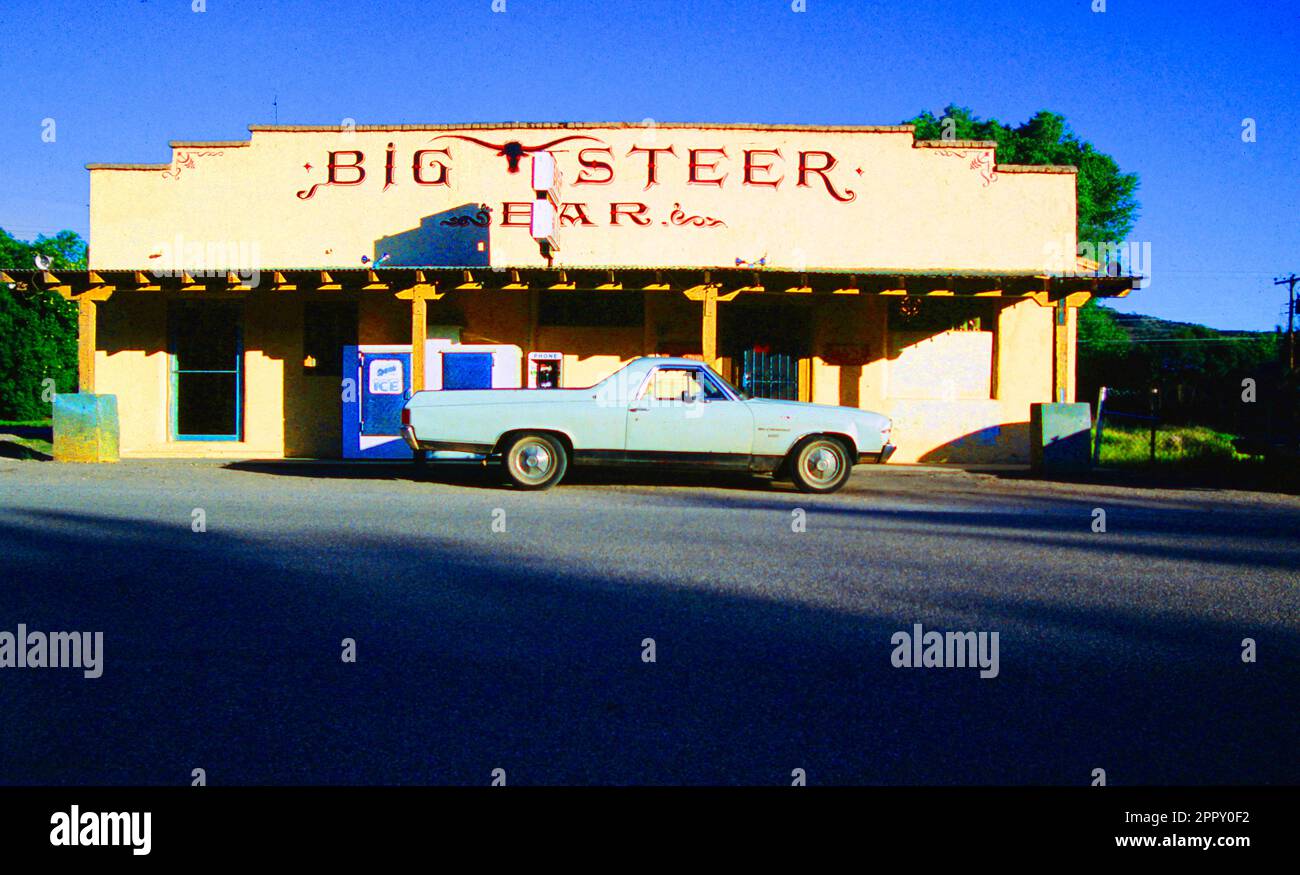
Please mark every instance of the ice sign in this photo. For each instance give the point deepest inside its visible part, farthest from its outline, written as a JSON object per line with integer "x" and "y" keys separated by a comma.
{"x": 385, "y": 377}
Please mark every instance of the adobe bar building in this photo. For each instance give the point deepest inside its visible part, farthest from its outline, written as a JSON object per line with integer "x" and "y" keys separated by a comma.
{"x": 234, "y": 294}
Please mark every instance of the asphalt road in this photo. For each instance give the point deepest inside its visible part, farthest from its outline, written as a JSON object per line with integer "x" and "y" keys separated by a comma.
{"x": 522, "y": 649}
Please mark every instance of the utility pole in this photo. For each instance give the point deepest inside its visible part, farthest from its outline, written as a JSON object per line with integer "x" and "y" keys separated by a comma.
{"x": 1290, "y": 318}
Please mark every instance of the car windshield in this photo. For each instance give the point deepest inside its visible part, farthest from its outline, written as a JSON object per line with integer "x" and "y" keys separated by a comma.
{"x": 622, "y": 383}
{"x": 743, "y": 396}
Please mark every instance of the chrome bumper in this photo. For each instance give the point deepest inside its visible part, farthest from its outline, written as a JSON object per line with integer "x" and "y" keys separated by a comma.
{"x": 408, "y": 435}
{"x": 885, "y": 452}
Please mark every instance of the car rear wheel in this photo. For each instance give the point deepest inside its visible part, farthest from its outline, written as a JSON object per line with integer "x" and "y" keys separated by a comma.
{"x": 535, "y": 461}
{"x": 820, "y": 465}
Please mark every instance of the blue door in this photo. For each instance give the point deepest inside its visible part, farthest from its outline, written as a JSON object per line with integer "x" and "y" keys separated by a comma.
{"x": 385, "y": 387}
{"x": 467, "y": 370}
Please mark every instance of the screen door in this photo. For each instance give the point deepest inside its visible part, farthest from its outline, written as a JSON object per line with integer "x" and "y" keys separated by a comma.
{"x": 207, "y": 357}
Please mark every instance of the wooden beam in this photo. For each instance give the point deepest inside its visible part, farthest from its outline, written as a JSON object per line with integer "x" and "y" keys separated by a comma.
{"x": 236, "y": 283}
{"x": 515, "y": 283}
{"x": 419, "y": 333}
{"x": 1061, "y": 352}
{"x": 850, "y": 289}
{"x": 563, "y": 283}
{"x": 426, "y": 291}
{"x": 709, "y": 326}
{"x": 804, "y": 288}
{"x": 86, "y": 345}
{"x": 97, "y": 293}
{"x": 900, "y": 287}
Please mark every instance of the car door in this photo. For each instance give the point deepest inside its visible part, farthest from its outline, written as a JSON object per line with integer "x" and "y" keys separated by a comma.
{"x": 682, "y": 412}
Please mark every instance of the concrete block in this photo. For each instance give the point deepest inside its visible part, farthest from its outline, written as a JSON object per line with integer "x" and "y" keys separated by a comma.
{"x": 85, "y": 428}
{"x": 1060, "y": 437}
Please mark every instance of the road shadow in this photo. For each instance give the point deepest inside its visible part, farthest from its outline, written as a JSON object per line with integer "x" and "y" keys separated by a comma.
{"x": 16, "y": 449}
{"x": 223, "y": 652}
{"x": 1264, "y": 537}
{"x": 475, "y": 475}
{"x": 1238, "y": 476}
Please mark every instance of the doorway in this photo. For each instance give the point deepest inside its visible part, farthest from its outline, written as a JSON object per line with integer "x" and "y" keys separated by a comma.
{"x": 766, "y": 345}
{"x": 206, "y": 353}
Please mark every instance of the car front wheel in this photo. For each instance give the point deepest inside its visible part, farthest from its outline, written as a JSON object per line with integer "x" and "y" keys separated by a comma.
{"x": 535, "y": 461}
{"x": 820, "y": 465}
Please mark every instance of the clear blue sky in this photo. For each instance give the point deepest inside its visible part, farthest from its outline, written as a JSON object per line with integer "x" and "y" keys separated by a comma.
{"x": 1162, "y": 86}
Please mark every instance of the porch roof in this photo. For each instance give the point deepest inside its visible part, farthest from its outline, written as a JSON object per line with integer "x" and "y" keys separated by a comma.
{"x": 724, "y": 282}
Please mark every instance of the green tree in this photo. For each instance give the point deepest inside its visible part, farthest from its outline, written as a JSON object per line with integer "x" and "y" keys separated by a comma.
{"x": 1107, "y": 202}
{"x": 38, "y": 329}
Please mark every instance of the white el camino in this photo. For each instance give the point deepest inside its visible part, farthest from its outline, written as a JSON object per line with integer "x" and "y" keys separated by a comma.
{"x": 655, "y": 410}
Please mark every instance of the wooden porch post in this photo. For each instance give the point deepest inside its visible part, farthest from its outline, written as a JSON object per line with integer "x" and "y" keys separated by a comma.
{"x": 85, "y": 345}
{"x": 1061, "y": 352}
{"x": 419, "y": 333}
{"x": 709, "y": 327}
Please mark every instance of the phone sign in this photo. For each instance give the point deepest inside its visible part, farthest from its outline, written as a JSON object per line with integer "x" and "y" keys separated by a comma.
{"x": 384, "y": 377}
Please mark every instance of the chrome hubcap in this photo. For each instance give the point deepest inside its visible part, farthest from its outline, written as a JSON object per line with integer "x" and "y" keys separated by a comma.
{"x": 822, "y": 464}
{"x": 533, "y": 461}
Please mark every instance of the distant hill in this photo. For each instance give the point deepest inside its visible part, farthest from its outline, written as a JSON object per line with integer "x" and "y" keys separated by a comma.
{"x": 1140, "y": 327}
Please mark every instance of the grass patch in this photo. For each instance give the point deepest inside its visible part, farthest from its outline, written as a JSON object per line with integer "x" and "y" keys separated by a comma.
{"x": 26, "y": 423}
{"x": 1191, "y": 455}
{"x": 1179, "y": 446}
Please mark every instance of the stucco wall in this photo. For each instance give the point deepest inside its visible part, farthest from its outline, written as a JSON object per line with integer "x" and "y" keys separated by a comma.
{"x": 870, "y": 199}
{"x": 883, "y": 201}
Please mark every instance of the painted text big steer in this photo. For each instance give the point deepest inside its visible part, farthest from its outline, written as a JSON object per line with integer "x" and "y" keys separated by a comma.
{"x": 666, "y": 411}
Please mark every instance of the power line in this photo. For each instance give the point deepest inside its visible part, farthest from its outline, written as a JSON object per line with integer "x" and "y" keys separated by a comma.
{"x": 1154, "y": 338}
{"x": 1289, "y": 282}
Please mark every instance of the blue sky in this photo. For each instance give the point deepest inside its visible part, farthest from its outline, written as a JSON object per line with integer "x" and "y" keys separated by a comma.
{"x": 1162, "y": 86}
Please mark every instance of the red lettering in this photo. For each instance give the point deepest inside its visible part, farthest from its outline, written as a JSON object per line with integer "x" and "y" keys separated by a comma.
{"x": 751, "y": 166}
{"x": 652, "y": 168}
{"x": 632, "y": 210}
{"x": 516, "y": 214}
{"x": 805, "y": 169}
{"x": 417, "y": 171}
{"x": 331, "y": 175}
{"x": 334, "y": 167}
{"x": 595, "y": 164}
{"x": 696, "y": 165}
{"x": 579, "y": 217}
{"x": 388, "y": 168}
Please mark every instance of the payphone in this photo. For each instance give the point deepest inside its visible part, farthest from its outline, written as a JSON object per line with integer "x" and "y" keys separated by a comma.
{"x": 544, "y": 369}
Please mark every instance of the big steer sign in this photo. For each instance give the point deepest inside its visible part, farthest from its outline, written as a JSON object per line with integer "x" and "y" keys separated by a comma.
{"x": 654, "y": 196}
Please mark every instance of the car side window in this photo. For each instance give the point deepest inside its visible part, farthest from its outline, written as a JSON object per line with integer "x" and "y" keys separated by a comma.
{"x": 682, "y": 384}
